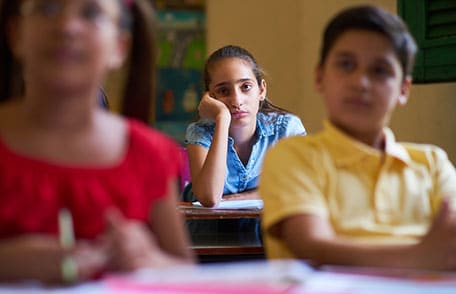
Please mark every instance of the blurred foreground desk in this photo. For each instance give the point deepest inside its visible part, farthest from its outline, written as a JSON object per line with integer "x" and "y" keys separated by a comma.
{"x": 214, "y": 234}
{"x": 255, "y": 277}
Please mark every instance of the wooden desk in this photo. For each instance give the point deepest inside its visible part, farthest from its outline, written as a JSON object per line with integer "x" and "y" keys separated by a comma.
{"x": 191, "y": 212}
{"x": 219, "y": 247}
{"x": 230, "y": 251}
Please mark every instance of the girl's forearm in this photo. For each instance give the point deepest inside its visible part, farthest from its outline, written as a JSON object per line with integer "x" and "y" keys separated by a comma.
{"x": 30, "y": 257}
{"x": 250, "y": 194}
{"x": 208, "y": 184}
{"x": 346, "y": 253}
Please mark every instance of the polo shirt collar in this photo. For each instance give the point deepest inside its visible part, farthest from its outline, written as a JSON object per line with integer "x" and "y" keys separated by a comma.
{"x": 345, "y": 149}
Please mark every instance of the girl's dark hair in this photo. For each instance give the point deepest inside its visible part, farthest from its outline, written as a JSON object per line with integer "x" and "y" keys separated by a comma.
{"x": 372, "y": 18}
{"x": 232, "y": 51}
{"x": 139, "y": 91}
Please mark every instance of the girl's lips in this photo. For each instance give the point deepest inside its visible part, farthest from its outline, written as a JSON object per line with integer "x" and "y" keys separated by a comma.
{"x": 239, "y": 114}
{"x": 65, "y": 55}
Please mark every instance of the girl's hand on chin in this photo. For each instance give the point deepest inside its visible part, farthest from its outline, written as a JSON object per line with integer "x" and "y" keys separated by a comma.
{"x": 211, "y": 108}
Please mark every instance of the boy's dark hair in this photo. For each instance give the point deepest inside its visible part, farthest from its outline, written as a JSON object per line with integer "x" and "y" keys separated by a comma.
{"x": 372, "y": 18}
{"x": 232, "y": 51}
{"x": 139, "y": 90}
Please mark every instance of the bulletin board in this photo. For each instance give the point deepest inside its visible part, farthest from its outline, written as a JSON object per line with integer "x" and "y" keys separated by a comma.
{"x": 182, "y": 51}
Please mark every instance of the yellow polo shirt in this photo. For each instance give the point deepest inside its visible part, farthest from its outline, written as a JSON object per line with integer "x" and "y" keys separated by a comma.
{"x": 367, "y": 195}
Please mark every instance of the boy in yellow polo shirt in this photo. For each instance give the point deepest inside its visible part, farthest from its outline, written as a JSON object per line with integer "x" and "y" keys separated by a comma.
{"x": 351, "y": 194}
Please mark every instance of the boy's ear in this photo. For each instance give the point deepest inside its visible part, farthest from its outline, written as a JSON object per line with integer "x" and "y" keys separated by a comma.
{"x": 263, "y": 90}
{"x": 318, "y": 78}
{"x": 405, "y": 91}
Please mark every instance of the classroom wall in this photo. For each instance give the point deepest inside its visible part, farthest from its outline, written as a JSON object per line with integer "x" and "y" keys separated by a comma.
{"x": 285, "y": 36}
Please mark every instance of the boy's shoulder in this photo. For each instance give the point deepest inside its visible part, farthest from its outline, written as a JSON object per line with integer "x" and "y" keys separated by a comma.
{"x": 322, "y": 153}
{"x": 427, "y": 154}
{"x": 309, "y": 145}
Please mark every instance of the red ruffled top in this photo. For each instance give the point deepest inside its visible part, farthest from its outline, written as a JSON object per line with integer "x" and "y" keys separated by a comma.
{"x": 32, "y": 191}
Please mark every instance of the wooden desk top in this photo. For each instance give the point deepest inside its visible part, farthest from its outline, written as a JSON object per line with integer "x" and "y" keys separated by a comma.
{"x": 194, "y": 212}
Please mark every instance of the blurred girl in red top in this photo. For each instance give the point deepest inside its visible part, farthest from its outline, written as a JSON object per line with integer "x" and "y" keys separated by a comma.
{"x": 58, "y": 148}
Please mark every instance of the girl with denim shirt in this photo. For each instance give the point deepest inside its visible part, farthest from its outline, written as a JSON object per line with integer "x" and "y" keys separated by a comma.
{"x": 237, "y": 125}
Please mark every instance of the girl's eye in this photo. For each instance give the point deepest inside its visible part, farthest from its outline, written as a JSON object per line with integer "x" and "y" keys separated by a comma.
{"x": 92, "y": 12}
{"x": 246, "y": 87}
{"x": 49, "y": 8}
{"x": 222, "y": 91}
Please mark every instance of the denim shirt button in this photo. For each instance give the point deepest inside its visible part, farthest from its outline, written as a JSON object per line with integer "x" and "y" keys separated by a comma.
{"x": 244, "y": 178}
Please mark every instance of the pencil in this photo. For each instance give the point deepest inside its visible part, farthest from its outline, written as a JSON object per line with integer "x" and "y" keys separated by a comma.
{"x": 66, "y": 231}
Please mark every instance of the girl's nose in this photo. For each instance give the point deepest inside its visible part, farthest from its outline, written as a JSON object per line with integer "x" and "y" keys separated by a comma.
{"x": 69, "y": 23}
{"x": 66, "y": 17}
{"x": 236, "y": 99}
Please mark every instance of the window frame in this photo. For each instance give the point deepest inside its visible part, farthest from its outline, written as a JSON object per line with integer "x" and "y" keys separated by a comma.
{"x": 436, "y": 59}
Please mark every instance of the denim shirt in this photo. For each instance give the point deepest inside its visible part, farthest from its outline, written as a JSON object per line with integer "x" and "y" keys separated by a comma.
{"x": 270, "y": 128}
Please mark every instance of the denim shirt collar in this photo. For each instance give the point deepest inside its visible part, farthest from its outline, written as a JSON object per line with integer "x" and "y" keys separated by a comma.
{"x": 264, "y": 126}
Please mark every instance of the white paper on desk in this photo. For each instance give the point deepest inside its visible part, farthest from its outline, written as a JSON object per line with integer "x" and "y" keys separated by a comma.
{"x": 362, "y": 284}
{"x": 93, "y": 287}
{"x": 278, "y": 272}
{"x": 235, "y": 204}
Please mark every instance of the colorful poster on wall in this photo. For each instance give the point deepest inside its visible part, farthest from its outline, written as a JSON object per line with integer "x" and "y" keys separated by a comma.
{"x": 182, "y": 49}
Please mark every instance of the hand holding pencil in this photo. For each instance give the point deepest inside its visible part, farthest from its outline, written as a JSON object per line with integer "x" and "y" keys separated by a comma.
{"x": 83, "y": 259}
{"x": 126, "y": 255}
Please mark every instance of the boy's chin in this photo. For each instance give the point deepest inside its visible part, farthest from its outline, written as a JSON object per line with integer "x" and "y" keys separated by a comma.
{"x": 357, "y": 125}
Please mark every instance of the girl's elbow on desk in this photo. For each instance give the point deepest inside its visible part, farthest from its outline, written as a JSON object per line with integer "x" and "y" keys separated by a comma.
{"x": 209, "y": 201}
